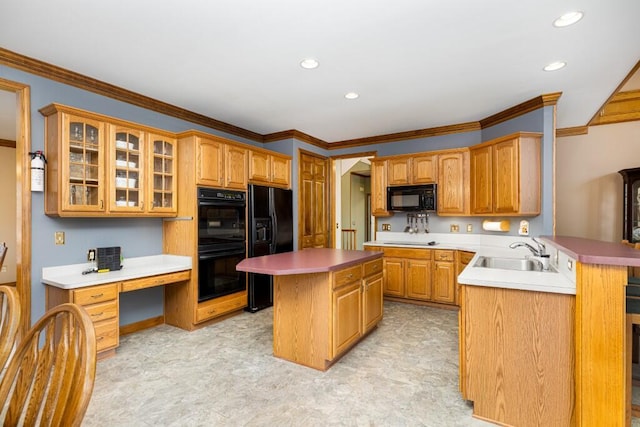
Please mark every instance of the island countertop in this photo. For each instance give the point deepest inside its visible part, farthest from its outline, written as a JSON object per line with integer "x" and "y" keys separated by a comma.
{"x": 589, "y": 251}
{"x": 312, "y": 260}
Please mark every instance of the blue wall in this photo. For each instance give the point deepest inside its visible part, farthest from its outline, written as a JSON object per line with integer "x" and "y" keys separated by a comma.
{"x": 143, "y": 236}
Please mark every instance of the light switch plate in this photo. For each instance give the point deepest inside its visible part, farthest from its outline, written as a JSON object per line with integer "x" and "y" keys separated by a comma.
{"x": 59, "y": 237}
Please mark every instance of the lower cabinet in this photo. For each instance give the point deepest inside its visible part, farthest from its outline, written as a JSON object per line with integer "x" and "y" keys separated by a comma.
{"x": 372, "y": 300}
{"x": 347, "y": 315}
{"x": 419, "y": 274}
{"x": 101, "y": 303}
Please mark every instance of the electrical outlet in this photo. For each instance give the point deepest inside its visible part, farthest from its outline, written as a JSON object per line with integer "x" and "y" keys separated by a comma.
{"x": 4, "y": 269}
{"x": 454, "y": 228}
{"x": 59, "y": 237}
{"x": 91, "y": 255}
{"x": 469, "y": 228}
{"x": 386, "y": 227}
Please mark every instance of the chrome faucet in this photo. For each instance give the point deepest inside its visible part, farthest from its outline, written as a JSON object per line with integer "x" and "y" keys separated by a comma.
{"x": 539, "y": 254}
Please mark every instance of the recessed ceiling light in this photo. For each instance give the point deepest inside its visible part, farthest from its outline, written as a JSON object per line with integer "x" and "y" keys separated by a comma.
{"x": 555, "y": 66}
{"x": 568, "y": 18}
{"x": 309, "y": 63}
{"x": 351, "y": 95}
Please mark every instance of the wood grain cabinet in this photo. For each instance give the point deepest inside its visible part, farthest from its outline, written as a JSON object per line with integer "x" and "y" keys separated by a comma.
{"x": 235, "y": 167}
{"x": 101, "y": 303}
{"x": 453, "y": 182}
{"x": 379, "y": 188}
{"x": 419, "y": 274}
{"x": 101, "y": 166}
{"x": 505, "y": 176}
{"x": 372, "y": 301}
{"x": 412, "y": 170}
{"x": 269, "y": 169}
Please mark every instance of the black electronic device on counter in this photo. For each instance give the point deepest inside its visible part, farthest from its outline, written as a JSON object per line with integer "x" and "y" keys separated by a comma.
{"x": 108, "y": 259}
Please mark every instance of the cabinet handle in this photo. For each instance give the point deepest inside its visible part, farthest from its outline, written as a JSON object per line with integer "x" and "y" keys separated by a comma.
{"x": 98, "y": 295}
{"x": 101, "y": 204}
{"x": 350, "y": 275}
{"x": 99, "y": 338}
{"x": 97, "y": 314}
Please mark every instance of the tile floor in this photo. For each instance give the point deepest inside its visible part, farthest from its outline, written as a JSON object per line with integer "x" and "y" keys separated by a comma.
{"x": 404, "y": 374}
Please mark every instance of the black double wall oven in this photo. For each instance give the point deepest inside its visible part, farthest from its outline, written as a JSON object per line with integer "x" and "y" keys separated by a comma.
{"x": 221, "y": 242}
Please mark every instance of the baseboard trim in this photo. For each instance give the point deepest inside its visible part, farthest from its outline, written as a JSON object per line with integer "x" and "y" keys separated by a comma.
{"x": 141, "y": 325}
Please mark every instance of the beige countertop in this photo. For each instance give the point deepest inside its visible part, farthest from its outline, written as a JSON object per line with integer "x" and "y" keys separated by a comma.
{"x": 71, "y": 277}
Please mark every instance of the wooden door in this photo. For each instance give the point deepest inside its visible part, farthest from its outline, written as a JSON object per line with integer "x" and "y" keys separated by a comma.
{"x": 506, "y": 178}
{"x": 453, "y": 183}
{"x": 481, "y": 181}
{"x": 418, "y": 277}
{"x": 444, "y": 280}
{"x": 347, "y": 315}
{"x": 313, "y": 202}
{"x": 163, "y": 178}
{"x": 393, "y": 276}
{"x": 372, "y": 302}
{"x": 399, "y": 171}
{"x": 379, "y": 188}
{"x": 209, "y": 166}
{"x": 424, "y": 169}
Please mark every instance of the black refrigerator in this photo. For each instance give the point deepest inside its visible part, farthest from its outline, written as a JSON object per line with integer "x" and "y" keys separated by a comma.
{"x": 270, "y": 219}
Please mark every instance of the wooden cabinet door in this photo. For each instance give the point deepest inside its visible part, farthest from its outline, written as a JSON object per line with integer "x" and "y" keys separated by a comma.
{"x": 424, "y": 169}
{"x": 82, "y": 154}
{"x": 372, "y": 302}
{"x": 444, "y": 280}
{"x": 453, "y": 183}
{"x": 313, "y": 202}
{"x": 347, "y": 317}
{"x": 259, "y": 166}
{"x": 418, "y": 279}
{"x": 162, "y": 172}
{"x": 281, "y": 171}
{"x": 399, "y": 171}
{"x": 379, "y": 188}
{"x": 506, "y": 177}
{"x": 126, "y": 172}
{"x": 235, "y": 167}
{"x": 481, "y": 180}
{"x": 209, "y": 165}
{"x": 393, "y": 277}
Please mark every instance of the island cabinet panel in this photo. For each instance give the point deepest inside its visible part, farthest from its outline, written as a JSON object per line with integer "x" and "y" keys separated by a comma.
{"x": 318, "y": 317}
{"x": 347, "y": 317}
{"x": 518, "y": 355}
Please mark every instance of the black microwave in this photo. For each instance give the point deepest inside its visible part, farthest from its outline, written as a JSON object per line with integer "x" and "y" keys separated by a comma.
{"x": 412, "y": 198}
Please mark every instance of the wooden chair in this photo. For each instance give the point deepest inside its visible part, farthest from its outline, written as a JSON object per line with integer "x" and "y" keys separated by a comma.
{"x": 10, "y": 316}
{"x": 349, "y": 239}
{"x": 3, "y": 253}
{"x": 49, "y": 379}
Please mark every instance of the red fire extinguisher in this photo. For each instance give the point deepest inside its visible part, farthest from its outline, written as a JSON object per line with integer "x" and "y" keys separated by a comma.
{"x": 37, "y": 170}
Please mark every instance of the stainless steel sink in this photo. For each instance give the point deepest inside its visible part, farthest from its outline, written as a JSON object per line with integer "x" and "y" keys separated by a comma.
{"x": 517, "y": 264}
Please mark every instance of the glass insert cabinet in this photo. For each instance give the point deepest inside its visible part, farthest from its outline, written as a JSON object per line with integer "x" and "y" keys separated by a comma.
{"x": 100, "y": 166}
{"x": 631, "y": 210}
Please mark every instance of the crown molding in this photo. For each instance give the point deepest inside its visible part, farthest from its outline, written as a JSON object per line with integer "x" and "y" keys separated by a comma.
{"x": 404, "y": 136}
{"x": 520, "y": 109}
{"x": 7, "y": 143}
{"x": 573, "y": 131}
{"x": 62, "y": 75}
{"x": 55, "y": 73}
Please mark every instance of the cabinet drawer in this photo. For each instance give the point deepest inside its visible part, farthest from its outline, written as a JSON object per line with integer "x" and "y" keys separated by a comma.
{"x": 219, "y": 306}
{"x": 103, "y": 310}
{"x": 106, "y": 334}
{"x": 95, "y": 294}
{"x": 465, "y": 257}
{"x": 407, "y": 253}
{"x": 347, "y": 275}
{"x": 372, "y": 267}
{"x": 149, "y": 282}
{"x": 441, "y": 255}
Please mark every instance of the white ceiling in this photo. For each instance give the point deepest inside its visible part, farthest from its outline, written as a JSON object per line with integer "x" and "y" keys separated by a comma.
{"x": 415, "y": 63}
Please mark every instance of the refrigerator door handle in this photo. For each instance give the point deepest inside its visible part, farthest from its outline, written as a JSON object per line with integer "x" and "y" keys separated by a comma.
{"x": 274, "y": 233}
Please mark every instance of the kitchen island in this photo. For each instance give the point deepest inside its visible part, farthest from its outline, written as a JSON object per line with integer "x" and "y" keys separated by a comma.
{"x": 324, "y": 301}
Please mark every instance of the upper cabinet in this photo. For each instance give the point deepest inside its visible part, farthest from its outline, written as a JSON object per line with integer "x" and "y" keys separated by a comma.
{"x": 410, "y": 170}
{"x": 98, "y": 165}
{"x": 218, "y": 162}
{"x": 505, "y": 175}
{"x": 379, "y": 188}
{"x": 453, "y": 182}
{"x": 269, "y": 168}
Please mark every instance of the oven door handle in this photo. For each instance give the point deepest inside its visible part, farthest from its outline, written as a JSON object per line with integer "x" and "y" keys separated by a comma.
{"x": 219, "y": 255}
{"x": 216, "y": 203}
